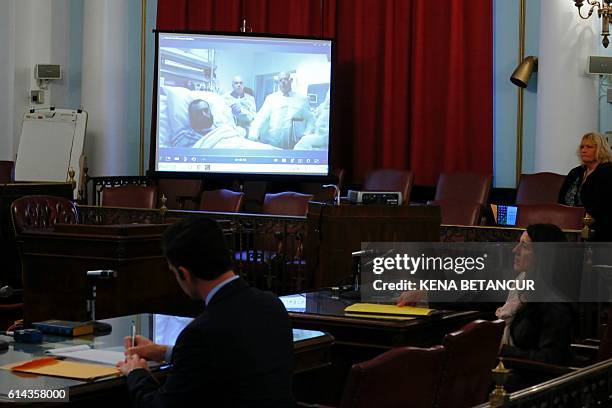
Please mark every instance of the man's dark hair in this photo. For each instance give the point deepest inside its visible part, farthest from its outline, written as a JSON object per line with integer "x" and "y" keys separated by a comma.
{"x": 197, "y": 244}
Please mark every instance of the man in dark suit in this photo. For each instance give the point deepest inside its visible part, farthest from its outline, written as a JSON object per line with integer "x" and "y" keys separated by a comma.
{"x": 237, "y": 353}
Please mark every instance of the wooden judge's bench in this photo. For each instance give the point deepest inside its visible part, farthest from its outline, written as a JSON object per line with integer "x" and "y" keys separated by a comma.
{"x": 55, "y": 265}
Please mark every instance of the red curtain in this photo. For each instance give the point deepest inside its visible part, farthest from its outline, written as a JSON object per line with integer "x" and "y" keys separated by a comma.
{"x": 452, "y": 88}
{"x": 413, "y": 78}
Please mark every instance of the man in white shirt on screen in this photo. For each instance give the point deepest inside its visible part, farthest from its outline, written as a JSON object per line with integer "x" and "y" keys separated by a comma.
{"x": 242, "y": 104}
{"x": 284, "y": 117}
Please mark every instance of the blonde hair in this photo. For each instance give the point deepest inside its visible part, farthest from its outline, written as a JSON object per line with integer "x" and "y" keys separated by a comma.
{"x": 603, "y": 149}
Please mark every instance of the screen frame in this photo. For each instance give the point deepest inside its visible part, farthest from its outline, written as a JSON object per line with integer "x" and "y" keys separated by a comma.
{"x": 152, "y": 172}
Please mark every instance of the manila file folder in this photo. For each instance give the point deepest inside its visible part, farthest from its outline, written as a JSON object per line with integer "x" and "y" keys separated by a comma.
{"x": 61, "y": 368}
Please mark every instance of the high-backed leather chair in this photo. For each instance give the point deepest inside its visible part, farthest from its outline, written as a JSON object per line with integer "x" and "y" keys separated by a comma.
{"x": 181, "y": 194}
{"x": 6, "y": 171}
{"x": 390, "y": 180}
{"x": 400, "y": 377}
{"x": 129, "y": 196}
{"x": 221, "y": 201}
{"x": 42, "y": 212}
{"x": 539, "y": 188}
{"x": 471, "y": 353}
{"x": 458, "y": 213}
{"x": 459, "y": 191}
{"x": 286, "y": 203}
{"x": 563, "y": 216}
{"x": 467, "y": 187}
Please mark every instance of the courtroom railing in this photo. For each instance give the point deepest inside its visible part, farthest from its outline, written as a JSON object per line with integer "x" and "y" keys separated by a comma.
{"x": 267, "y": 250}
{"x": 587, "y": 387}
{"x": 94, "y": 185}
{"x": 478, "y": 233}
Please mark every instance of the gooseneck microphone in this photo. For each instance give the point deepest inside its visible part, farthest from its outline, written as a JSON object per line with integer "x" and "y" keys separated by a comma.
{"x": 102, "y": 273}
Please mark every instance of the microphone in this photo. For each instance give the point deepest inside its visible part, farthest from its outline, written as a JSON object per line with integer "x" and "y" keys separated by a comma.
{"x": 363, "y": 253}
{"x": 336, "y": 192}
{"x": 102, "y": 273}
{"x": 8, "y": 291}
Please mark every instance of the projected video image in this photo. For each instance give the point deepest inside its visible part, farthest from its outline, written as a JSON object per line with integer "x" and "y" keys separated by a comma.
{"x": 234, "y": 104}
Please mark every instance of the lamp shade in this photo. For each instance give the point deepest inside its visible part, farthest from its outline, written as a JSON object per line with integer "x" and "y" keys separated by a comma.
{"x": 522, "y": 73}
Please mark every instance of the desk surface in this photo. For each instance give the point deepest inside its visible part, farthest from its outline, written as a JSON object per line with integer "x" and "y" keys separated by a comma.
{"x": 306, "y": 342}
{"x": 321, "y": 310}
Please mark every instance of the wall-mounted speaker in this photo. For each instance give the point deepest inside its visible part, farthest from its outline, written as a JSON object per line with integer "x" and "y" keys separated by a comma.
{"x": 599, "y": 65}
{"x": 47, "y": 71}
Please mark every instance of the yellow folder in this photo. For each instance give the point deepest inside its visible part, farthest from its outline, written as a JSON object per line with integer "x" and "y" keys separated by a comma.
{"x": 375, "y": 308}
{"x": 379, "y": 316}
{"x": 61, "y": 368}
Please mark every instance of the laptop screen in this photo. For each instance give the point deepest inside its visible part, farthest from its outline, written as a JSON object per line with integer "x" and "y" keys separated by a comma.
{"x": 505, "y": 214}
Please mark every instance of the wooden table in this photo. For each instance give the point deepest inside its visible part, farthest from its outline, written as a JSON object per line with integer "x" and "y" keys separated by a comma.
{"x": 311, "y": 351}
{"x": 323, "y": 311}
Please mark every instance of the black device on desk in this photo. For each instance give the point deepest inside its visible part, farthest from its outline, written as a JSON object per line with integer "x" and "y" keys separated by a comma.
{"x": 505, "y": 214}
{"x": 353, "y": 291}
{"x": 375, "y": 197}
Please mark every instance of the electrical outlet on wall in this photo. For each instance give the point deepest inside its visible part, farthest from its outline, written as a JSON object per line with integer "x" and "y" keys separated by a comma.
{"x": 608, "y": 136}
{"x": 37, "y": 96}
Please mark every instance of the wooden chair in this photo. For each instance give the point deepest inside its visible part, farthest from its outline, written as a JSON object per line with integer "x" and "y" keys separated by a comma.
{"x": 471, "y": 354}
{"x": 400, "y": 377}
{"x": 458, "y": 213}
{"x": 390, "y": 180}
{"x": 181, "y": 194}
{"x": 221, "y": 201}
{"x": 35, "y": 212}
{"x": 563, "y": 216}
{"x": 275, "y": 257}
{"x": 539, "y": 188}
{"x": 458, "y": 192}
{"x": 129, "y": 196}
{"x": 42, "y": 212}
{"x": 464, "y": 187}
{"x": 286, "y": 203}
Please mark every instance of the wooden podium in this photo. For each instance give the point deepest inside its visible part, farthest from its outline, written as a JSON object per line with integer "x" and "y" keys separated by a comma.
{"x": 55, "y": 266}
{"x": 334, "y": 231}
{"x": 10, "y": 273}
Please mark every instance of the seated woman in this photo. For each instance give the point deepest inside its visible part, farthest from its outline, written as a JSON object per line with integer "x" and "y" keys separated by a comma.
{"x": 535, "y": 330}
{"x": 540, "y": 331}
{"x": 590, "y": 185}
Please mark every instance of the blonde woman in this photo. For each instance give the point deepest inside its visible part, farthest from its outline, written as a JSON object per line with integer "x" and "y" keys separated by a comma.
{"x": 590, "y": 184}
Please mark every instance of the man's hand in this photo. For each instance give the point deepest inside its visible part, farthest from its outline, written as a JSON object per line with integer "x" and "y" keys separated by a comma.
{"x": 144, "y": 348}
{"x": 131, "y": 363}
{"x": 411, "y": 297}
{"x": 236, "y": 109}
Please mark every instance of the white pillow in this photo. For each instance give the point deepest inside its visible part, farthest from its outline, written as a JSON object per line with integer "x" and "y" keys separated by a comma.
{"x": 178, "y": 106}
{"x": 164, "y": 132}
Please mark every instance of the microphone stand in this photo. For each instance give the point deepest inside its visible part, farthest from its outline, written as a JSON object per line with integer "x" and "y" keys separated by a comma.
{"x": 92, "y": 277}
{"x": 355, "y": 293}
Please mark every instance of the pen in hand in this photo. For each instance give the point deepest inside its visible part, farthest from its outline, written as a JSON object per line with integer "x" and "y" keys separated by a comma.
{"x": 133, "y": 334}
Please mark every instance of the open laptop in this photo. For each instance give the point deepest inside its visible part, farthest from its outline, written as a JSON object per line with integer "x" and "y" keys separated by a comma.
{"x": 505, "y": 214}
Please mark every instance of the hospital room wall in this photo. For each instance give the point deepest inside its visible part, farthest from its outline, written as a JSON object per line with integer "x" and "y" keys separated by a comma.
{"x": 309, "y": 69}
{"x": 232, "y": 63}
